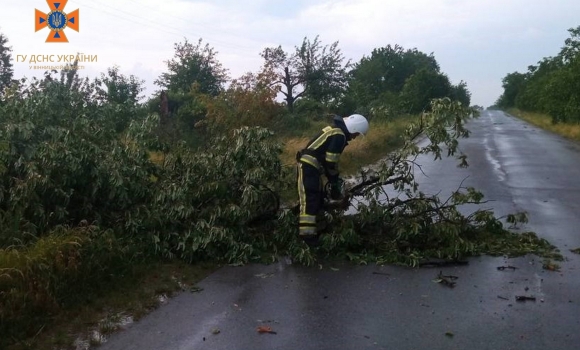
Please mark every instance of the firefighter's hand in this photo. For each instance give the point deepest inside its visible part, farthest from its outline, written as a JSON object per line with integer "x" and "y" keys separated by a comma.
{"x": 336, "y": 191}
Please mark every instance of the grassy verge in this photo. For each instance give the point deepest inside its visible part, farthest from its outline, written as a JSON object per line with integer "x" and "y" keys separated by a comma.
{"x": 383, "y": 138}
{"x": 570, "y": 131}
{"x": 132, "y": 298}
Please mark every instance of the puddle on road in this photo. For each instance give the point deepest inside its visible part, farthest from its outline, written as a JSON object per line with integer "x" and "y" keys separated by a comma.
{"x": 497, "y": 168}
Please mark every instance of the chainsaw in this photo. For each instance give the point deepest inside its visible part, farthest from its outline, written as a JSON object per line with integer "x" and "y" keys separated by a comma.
{"x": 336, "y": 204}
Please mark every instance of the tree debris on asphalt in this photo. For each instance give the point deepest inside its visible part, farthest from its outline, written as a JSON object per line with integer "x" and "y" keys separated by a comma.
{"x": 445, "y": 280}
{"x": 551, "y": 266}
{"x": 265, "y": 329}
{"x": 525, "y": 298}
{"x": 380, "y": 273}
{"x": 195, "y": 289}
{"x": 443, "y": 263}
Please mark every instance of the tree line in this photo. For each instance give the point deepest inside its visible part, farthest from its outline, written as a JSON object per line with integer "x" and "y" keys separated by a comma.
{"x": 313, "y": 80}
{"x": 552, "y": 86}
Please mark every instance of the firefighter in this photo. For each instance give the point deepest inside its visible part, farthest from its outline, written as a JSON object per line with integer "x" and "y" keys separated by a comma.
{"x": 320, "y": 157}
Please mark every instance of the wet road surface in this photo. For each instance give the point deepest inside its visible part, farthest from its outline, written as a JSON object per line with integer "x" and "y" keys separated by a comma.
{"x": 339, "y": 306}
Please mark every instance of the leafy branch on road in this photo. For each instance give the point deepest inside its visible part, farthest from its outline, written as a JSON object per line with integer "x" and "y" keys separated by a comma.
{"x": 397, "y": 223}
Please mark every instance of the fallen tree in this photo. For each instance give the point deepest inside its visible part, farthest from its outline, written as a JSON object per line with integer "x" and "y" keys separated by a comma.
{"x": 395, "y": 222}
{"x": 223, "y": 203}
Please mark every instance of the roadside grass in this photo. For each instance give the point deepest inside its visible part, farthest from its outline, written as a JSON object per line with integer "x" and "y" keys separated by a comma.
{"x": 570, "y": 131}
{"x": 90, "y": 324}
{"x": 383, "y": 137}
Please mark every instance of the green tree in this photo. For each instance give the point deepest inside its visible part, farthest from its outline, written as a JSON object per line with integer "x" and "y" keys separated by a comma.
{"x": 193, "y": 71}
{"x": 423, "y": 86}
{"x": 571, "y": 50}
{"x": 120, "y": 93}
{"x": 563, "y": 91}
{"x": 460, "y": 93}
{"x": 312, "y": 71}
{"x": 323, "y": 70}
{"x": 248, "y": 101}
{"x": 531, "y": 93}
{"x": 561, "y": 98}
{"x": 119, "y": 88}
{"x": 512, "y": 84}
{"x": 549, "y": 87}
{"x": 385, "y": 71}
{"x": 194, "y": 64}
{"x": 6, "y": 69}
{"x": 64, "y": 137}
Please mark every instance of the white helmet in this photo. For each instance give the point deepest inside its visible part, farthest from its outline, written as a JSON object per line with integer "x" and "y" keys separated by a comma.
{"x": 356, "y": 123}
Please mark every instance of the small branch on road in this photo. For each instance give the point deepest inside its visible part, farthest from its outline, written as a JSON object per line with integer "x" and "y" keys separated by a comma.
{"x": 443, "y": 263}
{"x": 381, "y": 273}
{"x": 446, "y": 280}
{"x": 524, "y": 298}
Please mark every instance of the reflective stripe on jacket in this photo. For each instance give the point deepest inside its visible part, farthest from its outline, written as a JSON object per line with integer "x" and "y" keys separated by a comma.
{"x": 324, "y": 150}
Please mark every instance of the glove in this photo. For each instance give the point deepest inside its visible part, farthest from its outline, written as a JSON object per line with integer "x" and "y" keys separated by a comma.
{"x": 336, "y": 190}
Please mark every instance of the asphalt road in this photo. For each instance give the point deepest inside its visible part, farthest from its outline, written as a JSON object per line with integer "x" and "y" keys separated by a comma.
{"x": 517, "y": 166}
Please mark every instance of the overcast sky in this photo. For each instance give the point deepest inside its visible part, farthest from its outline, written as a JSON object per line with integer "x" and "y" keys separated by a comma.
{"x": 476, "y": 41}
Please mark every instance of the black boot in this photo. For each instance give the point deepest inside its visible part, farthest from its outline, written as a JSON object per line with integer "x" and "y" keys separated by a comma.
{"x": 311, "y": 240}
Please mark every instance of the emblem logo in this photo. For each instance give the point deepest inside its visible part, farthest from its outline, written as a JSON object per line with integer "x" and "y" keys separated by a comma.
{"x": 56, "y": 20}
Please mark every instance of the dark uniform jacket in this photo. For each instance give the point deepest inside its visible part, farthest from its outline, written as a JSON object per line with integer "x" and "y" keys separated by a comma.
{"x": 324, "y": 150}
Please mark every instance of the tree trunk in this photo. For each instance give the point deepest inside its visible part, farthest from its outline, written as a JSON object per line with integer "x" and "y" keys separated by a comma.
{"x": 289, "y": 90}
{"x": 164, "y": 112}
